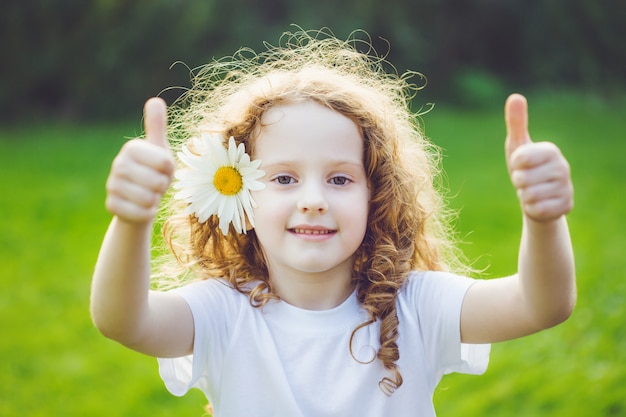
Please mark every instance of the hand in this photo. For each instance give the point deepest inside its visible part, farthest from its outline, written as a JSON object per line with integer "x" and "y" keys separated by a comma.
{"x": 143, "y": 169}
{"x": 539, "y": 172}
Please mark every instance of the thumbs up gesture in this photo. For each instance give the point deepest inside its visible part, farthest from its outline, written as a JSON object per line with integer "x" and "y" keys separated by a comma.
{"x": 538, "y": 170}
{"x": 142, "y": 171}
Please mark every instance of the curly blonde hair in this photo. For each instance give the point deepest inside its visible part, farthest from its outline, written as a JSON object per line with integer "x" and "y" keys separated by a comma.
{"x": 408, "y": 225}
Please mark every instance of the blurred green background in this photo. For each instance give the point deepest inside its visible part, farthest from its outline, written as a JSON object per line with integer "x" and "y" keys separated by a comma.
{"x": 102, "y": 58}
{"x": 73, "y": 78}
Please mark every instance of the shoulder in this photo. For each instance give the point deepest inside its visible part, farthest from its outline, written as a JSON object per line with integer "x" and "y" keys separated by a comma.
{"x": 212, "y": 295}
{"x": 206, "y": 286}
{"x": 427, "y": 290}
{"x": 437, "y": 281}
{"x": 429, "y": 308}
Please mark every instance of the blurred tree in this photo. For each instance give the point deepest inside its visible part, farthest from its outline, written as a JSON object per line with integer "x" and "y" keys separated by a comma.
{"x": 102, "y": 58}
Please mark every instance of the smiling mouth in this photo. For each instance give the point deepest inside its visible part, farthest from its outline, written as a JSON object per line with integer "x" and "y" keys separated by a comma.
{"x": 312, "y": 231}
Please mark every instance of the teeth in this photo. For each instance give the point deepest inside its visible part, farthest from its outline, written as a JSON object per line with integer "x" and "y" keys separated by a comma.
{"x": 311, "y": 232}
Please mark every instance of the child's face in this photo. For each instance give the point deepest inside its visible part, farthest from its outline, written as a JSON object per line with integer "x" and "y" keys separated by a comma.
{"x": 312, "y": 215}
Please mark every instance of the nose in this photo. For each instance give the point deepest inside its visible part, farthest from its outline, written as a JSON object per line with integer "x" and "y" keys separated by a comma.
{"x": 312, "y": 199}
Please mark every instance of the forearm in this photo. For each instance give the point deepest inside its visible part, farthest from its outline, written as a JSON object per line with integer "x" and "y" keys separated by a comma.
{"x": 121, "y": 280}
{"x": 546, "y": 271}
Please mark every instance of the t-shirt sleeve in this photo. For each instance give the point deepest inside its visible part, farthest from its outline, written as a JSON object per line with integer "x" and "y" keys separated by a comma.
{"x": 438, "y": 297}
{"x": 211, "y": 304}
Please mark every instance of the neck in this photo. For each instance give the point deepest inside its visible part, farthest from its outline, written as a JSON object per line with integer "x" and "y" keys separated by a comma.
{"x": 312, "y": 291}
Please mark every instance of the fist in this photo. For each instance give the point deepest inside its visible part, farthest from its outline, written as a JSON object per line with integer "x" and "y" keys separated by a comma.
{"x": 539, "y": 171}
{"x": 142, "y": 171}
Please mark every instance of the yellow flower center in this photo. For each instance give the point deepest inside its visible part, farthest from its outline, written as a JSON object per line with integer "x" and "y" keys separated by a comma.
{"x": 228, "y": 181}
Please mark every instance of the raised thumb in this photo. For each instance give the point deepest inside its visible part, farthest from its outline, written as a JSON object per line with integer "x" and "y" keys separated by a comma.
{"x": 516, "y": 119}
{"x": 155, "y": 122}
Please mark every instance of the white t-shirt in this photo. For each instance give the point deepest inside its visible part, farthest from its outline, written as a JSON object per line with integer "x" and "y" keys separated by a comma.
{"x": 285, "y": 361}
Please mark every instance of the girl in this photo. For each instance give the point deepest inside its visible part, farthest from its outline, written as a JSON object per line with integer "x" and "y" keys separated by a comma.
{"x": 305, "y": 212}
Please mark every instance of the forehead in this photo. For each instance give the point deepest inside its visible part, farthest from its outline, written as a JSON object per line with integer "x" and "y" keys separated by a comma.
{"x": 307, "y": 126}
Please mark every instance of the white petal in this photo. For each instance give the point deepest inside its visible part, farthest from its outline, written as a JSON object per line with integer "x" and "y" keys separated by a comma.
{"x": 247, "y": 203}
{"x": 241, "y": 218}
{"x": 232, "y": 151}
{"x": 252, "y": 185}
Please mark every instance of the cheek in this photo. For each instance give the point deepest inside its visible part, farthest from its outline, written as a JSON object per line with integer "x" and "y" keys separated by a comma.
{"x": 363, "y": 226}
{"x": 356, "y": 211}
{"x": 264, "y": 197}
{"x": 269, "y": 208}
{"x": 364, "y": 219}
{"x": 260, "y": 198}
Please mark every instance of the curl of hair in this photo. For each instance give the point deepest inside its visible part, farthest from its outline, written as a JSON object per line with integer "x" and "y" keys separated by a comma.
{"x": 408, "y": 225}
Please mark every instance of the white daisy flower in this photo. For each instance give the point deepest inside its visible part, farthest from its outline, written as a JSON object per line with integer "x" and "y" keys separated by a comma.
{"x": 218, "y": 181}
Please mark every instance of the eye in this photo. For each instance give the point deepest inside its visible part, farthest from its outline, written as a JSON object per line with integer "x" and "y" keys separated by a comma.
{"x": 284, "y": 179}
{"x": 340, "y": 180}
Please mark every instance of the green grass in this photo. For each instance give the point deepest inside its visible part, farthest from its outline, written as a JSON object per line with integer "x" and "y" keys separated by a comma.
{"x": 52, "y": 194}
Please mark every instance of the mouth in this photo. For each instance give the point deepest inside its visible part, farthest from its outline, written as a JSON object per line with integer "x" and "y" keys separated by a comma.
{"x": 301, "y": 231}
{"x": 312, "y": 232}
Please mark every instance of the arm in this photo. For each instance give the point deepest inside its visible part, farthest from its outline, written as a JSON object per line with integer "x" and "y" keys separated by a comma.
{"x": 122, "y": 306}
{"x": 543, "y": 293}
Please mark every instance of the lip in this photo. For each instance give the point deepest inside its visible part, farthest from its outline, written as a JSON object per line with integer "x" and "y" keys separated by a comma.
{"x": 312, "y": 232}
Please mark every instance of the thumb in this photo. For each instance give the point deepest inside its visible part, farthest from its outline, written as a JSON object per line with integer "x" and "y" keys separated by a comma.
{"x": 516, "y": 119}
{"x": 155, "y": 122}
